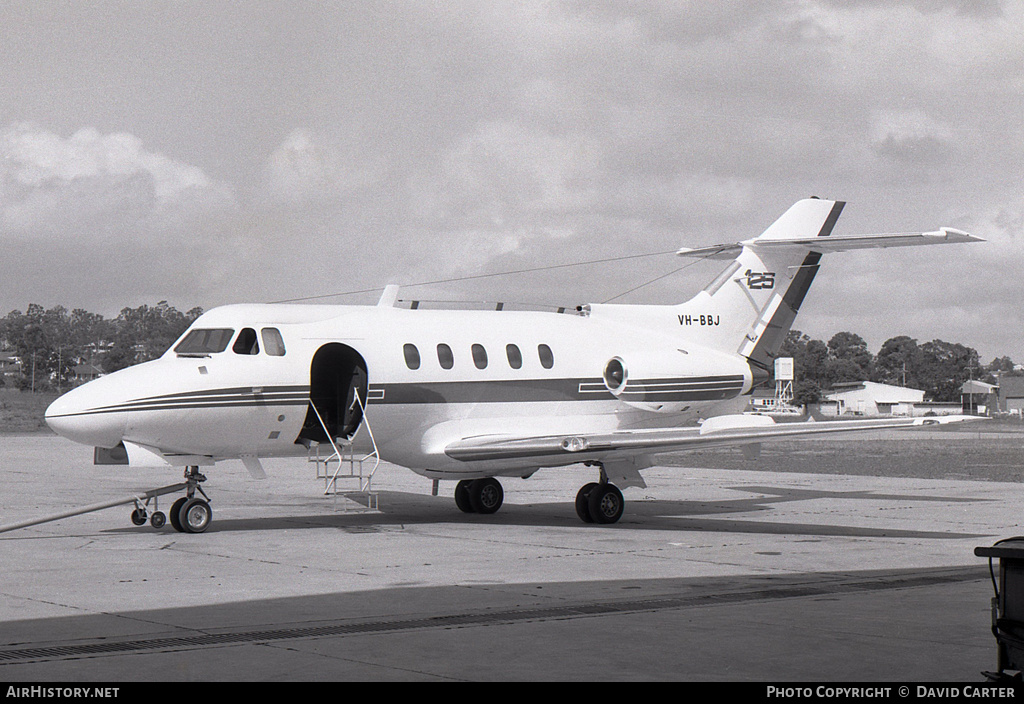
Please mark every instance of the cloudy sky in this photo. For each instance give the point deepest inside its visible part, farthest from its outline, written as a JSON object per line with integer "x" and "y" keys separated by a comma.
{"x": 211, "y": 152}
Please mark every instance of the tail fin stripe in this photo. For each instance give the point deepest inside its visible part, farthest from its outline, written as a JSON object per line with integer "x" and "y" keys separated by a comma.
{"x": 794, "y": 297}
{"x": 830, "y": 221}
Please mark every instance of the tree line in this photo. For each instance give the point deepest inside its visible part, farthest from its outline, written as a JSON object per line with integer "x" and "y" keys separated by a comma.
{"x": 50, "y": 344}
{"x": 938, "y": 368}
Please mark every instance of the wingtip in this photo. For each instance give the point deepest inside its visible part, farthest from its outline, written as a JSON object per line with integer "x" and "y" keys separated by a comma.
{"x": 954, "y": 235}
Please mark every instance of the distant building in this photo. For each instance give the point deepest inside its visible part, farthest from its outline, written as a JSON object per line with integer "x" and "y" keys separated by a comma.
{"x": 869, "y": 398}
{"x": 767, "y": 402}
{"x": 979, "y": 398}
{"x": 1011, "y": 394}
{"x": 87, "y": 371}
{"x": 762, "y": 399}
{"x": 10, "y": 365}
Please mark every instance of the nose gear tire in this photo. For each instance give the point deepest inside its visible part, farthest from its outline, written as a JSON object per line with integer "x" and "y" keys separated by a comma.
{"x": 195, "y": 516}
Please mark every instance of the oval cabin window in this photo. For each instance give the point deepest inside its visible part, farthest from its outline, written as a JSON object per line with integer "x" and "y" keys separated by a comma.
{"x": 412, "y": 356}
{"x": 515, "y": 357}
{"x": 479, "y": 356}
{"x": 445, "y": 357}
{"x": 547, "y": 358}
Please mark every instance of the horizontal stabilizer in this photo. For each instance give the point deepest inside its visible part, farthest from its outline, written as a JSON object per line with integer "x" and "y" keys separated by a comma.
{"x": 944, "y": 235}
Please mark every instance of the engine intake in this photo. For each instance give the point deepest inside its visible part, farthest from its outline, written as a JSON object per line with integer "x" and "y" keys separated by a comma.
{"x": 615, "y": 376}
{"x": 671, "y": 382}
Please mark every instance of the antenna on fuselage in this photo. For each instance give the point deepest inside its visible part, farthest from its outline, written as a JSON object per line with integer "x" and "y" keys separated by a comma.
{"x": 389, "y": 297}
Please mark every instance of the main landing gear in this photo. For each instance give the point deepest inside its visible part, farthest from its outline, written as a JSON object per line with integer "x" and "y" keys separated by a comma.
{"x": 597, "y": 502}
{"x": 479, "y": 495}
{"x": 189, "y": 514}
{"x": 600, "y": 501}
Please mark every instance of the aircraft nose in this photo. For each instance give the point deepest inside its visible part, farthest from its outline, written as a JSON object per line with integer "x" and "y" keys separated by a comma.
{"x": 81, "y": 415}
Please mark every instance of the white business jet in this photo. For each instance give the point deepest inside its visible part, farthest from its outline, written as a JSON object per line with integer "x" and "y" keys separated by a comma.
{"x": 474, "y": 395}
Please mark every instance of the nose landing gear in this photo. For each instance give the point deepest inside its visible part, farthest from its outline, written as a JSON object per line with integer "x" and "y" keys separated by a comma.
{"x": 189, "y": 514}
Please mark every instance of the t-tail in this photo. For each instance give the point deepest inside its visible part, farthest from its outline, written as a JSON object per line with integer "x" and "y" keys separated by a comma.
{"x": 750, "y": 307}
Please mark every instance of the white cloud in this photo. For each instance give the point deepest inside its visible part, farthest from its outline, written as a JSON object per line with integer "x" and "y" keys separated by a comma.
{"x": 911, "y": 135}
{"x": 296, "y": 168}
{"x": 696, "y": 193}
{"x": 504, "y": 166}
{"x": 308, "y": 167}
{"x": 91, "y": 182}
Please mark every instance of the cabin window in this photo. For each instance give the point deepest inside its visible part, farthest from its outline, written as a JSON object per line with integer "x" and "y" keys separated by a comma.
{"x": 445, "y": 357}
{"x": 479, "y": 356}
{"x": 515, "y": 357}
{"x": 246, "y": 342}
{"x": 205, "y": 341}
{"x": 547, "y": 359}
{"x": 273, "y": 343}
{"x": 412, "y": 356}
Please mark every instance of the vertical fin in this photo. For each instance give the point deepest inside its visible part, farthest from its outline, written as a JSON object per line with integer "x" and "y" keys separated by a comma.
{"x": 777, "y": 317}
{"x": 754, "y": 302}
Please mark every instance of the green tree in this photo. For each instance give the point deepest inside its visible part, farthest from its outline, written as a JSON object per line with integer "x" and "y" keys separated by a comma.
{"x": 43, "y": 341}
{"x": 945, "y": 366}
{"x": 1004, "y": 366}
{"x": 50, "y": 343}
{"x": 849, "y": 358}
{"x": 145, "y": 333}
{"x": 898, "y": 362}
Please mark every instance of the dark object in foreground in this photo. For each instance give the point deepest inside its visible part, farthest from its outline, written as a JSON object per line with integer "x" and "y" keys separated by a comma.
{"x": 1007, "y": 607}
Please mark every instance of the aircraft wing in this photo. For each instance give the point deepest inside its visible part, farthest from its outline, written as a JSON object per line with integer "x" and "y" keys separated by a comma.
{"x": 718, "y": 431}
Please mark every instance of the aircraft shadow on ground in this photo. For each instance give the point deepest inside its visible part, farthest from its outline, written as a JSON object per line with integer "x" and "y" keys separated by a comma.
{"x": 400, "y": 509}
{"x": 317, "y": 630}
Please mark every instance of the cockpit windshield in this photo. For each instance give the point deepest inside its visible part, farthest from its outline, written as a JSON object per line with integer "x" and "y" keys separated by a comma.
{"x": 205, "y": 341}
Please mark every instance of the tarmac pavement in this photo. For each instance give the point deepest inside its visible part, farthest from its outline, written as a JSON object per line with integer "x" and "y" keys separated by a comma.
{"x": 711, "y": 575}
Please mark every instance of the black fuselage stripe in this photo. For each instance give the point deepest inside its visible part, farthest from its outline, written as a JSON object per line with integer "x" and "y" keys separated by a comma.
{"x": 233, "y": 403}
{"x": 232, "y": 391}
{"x": 487, "y": 391}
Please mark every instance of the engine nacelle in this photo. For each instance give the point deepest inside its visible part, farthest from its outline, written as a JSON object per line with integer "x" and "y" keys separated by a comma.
{"x": 671, "y": 382}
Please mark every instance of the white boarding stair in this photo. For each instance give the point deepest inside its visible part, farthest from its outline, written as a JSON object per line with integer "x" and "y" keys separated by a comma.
{"x": 351, "y": 466}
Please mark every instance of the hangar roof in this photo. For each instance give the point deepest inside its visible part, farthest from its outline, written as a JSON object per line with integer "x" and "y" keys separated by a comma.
{"x": 879, "y": 393}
